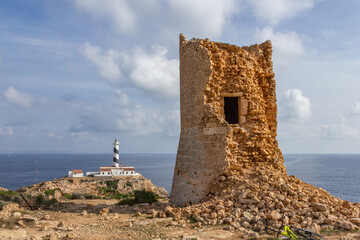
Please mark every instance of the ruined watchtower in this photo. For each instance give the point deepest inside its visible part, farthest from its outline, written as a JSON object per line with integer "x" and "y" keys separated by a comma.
{"x": 228, "y": 115}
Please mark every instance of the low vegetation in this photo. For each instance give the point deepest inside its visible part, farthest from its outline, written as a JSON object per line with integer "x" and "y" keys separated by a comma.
{"x": 10, "y": 196}
{"x": 49, "y": 192}
{"x": 9, "y": 223}
{"x": 2, "y": 204}
{"x": 139, "y": 196}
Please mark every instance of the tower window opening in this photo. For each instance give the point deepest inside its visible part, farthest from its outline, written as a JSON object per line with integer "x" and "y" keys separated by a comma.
{"x": 231, "y": 109}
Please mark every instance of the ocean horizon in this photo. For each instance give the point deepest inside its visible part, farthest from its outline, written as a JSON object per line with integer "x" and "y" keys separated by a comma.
{"x": 336, "y": 173}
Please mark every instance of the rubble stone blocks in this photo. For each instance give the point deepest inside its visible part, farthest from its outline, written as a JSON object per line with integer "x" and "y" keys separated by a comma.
{"x": 210, "y": 147}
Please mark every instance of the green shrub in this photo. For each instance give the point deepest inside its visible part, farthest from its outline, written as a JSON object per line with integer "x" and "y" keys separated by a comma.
{"x": 129, "y": 184}
{"x": 112, "y": 185}
{"x": 142, "y": 196}
{"x": 49, "y": 192}
{"x": 77, "y": 196}
{"x": 16, "y": 200}
{"x": 68, "y": 196}
{"x": 9, "y": 223}
{"x": 7, "y": 195}
{"x": 39, "y": 199}
{"x": 2, "y": 204}
{"x": 7, "y": 198}
{"x": 122, "y": 195}
{"x": 53, "y": 201}
{"x": 126, "y": 201}
{"x": 11, "y": 193}
{"x": 89, "y": 196}
{"x": 2, "y": 194}
{"x": 102, "y": 190}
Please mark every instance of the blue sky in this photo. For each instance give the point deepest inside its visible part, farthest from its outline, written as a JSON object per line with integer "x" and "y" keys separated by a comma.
{"x": 75, "y": 74}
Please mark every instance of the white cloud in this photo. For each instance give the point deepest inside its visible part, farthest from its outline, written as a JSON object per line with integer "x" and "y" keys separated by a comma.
{"x": 37, "y": 42}
{"x": 15, "y": 97}
{"x": 128, "y": 119}
{"x": 122, "y": 98}
{"x": 144, "y": 121}
{"x": 156, "y": 74}
{"x": 293, "y": 106}
{"x": 333, "y": 131}
{"x": 140, "y": 121}
{"x": 151, "y": 72}
{"x": 106, "y": 62}
{"x": 286, "y": 44}
{"x": 338, "y": 131}
{"x": 83, "y": 136}
{"x": 53, "y": 135}
{"x": 357, "y": 107}
{"x": 201, "y": 17}
{"x": 118, "y": 12}
{"x": 6, "y": 131}
{"x": 274, "y": 11}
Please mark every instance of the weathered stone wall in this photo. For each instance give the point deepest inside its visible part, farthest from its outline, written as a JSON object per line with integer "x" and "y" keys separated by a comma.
{"x": 209, "y": 147}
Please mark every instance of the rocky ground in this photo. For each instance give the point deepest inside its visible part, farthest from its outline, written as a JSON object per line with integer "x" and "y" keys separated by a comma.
{"x": 90, "y": 185}
{"x": 244, "y": 203}
{"x": 102, "y": 219}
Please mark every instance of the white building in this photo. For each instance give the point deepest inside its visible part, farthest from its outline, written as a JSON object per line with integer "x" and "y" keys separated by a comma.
{"x": 75, "y": 173}
{"x": 109, "y": 171}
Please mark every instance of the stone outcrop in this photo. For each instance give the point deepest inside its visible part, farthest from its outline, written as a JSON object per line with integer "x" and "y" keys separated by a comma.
{"x": 88, "y": 185}
{"x": 257, "y": 197}
{"x": 228, "y": 115}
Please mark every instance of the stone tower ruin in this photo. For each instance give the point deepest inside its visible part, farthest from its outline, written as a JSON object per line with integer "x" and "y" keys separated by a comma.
{"x": 228, "y": 115}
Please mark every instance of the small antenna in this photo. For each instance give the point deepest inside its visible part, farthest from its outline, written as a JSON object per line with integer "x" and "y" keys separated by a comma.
{"x": 36, "y": 161}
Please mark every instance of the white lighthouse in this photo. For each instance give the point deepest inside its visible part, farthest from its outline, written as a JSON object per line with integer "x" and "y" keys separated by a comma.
{"x": 116, "y": 153}
{"x": 115, "y": 170}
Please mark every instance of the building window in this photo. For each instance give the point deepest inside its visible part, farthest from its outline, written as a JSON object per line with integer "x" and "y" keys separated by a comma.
{"x": 231, "y": 109}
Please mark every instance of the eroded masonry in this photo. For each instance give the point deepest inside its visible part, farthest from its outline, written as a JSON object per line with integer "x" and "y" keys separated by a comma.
{"x": 228, "y": 115}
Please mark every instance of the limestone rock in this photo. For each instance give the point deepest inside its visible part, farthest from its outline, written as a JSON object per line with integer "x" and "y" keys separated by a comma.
{"x": 17, "y": 214}
{"x": 104, "y": 211}
{"x": 275, "y": 215}
{"x": 319, "y": 207}
{"x": 355, "y": 221}
{"x": 346, "y": 225}
{"x": 248, "y": 216}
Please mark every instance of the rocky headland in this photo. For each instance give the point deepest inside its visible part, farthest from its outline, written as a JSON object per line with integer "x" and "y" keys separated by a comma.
{"x": 93, "y": 186}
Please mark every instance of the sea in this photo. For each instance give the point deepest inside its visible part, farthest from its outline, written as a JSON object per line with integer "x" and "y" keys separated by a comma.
{"x": 339, "y": 174}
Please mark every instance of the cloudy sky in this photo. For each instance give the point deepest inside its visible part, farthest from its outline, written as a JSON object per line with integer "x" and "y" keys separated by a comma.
{"x": 75, "y": 74}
